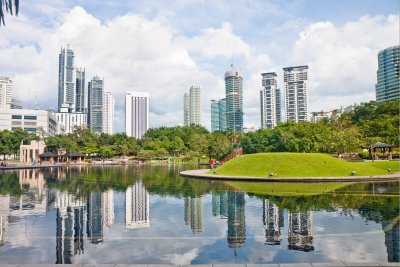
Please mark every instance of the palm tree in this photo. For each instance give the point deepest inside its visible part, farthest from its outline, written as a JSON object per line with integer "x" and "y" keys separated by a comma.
{"x": 6, "y": 6}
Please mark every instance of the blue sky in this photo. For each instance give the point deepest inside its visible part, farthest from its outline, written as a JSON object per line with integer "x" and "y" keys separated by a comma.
{"x": 166, "y": 46}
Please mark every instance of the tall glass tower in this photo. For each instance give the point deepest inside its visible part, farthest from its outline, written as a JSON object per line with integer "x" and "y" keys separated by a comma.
{"x": 234, "y": 101}
{"x": 218, "y": 115}
{"x": 95, "y": 105}
{"x": 80, "y": 91}
{"x": 66, "y": 81}
{"x": 192, "y": 103}
{"x": 388, "y": 74}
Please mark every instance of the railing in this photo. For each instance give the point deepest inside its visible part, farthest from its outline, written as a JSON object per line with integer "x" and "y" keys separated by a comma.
{"x": 237, "y": 152}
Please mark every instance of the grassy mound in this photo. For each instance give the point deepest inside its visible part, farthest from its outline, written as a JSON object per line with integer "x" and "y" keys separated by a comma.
{"x": 301, "y": 165}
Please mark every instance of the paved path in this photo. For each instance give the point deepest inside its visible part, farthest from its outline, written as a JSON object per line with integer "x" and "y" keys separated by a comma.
{"x": 332, "y": 264}
{"x": 203, "y": 174}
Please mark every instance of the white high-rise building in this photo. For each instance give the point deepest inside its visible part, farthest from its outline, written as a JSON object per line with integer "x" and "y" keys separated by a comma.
{"x": 270, "y": 101}
{"x": 66, "y": 81}
{"x": 296, "y": 93}
{"x": 5, "y": 93}
{"x": 137, "y": 206}
{"x": 108, "y": 113}
{"x": 136, "y": 113}
{"x": 192, "y": 103}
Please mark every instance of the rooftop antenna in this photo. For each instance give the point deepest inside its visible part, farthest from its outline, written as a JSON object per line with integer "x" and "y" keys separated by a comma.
{"x": 37, "y": 107}
{"x": 233, "y": 54}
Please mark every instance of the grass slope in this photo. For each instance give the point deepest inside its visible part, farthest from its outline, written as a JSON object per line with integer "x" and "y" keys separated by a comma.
{"x": 301, "y": 165}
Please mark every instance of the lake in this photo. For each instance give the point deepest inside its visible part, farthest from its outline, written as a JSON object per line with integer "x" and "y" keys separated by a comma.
{"x": 149, "y": 214}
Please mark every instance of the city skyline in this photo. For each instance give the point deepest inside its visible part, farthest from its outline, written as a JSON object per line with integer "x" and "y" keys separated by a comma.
{"x": 293, "y": 34}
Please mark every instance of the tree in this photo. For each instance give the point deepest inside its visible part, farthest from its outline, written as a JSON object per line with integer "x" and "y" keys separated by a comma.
{"x": 6, "y": 6}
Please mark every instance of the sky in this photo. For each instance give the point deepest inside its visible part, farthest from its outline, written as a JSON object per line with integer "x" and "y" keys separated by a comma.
{"x": 164, "y": 47}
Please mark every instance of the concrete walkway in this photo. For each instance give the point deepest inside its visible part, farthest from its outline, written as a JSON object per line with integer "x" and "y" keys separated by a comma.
{"x": 333, "y": 264}
{"x": 202, "y": 174}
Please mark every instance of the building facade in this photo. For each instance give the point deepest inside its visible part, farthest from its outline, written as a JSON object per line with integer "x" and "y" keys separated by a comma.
{"x": 192, "y": 104}
{"x": 108, "y": 113}
{"x": 136, "y": 113}
{"x": 69, "y": 121}
{"x": 270, "y": 101}
{"x": 234, "y": 101}
{"x": 29, "y": 120}
{"x": 388, "y": 74}
{"x": 95, "y": 105}
{"x": 218, "y": 115}
{"x": 5, "y": 93}
{"x": 296, "y": 93}
{"x": 80, "y": 101}
{"x": 66, "y": 81}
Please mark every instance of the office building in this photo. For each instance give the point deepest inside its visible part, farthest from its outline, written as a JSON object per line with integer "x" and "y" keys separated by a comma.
{"x": 137, "y": 214}
{"x": 270, "y": 101}
{"x": 388, "y": 74}
{"x": 218, "y": 115}
{"x": 5, "y": 93}
{"x": 66, "y": 81}
{"x": 296, "y": 93}
{"x": 234, "y": 101}
{"x": 29, "y": 120}
{"x": 191, "y": 104}
{"x": 194, "y": 213}
{"x": 95, "y": 105}
{"x": 272, "y": 223}
{"x": 136, "y": 113}
{"x": 80, "y": 101}
{"x": 69, "y": 121}
{"x": 94, "y": 222}
{"x": 108, "y": 113}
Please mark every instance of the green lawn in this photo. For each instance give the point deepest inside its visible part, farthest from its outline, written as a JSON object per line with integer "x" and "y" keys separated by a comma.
{"x": 301, "y": 165}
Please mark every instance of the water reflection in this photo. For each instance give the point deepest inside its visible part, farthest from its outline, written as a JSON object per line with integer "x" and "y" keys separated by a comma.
{"x": 86, "y": 201}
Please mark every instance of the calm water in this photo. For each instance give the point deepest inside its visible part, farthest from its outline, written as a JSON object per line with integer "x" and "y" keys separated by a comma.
{"x": 151, "y": 215}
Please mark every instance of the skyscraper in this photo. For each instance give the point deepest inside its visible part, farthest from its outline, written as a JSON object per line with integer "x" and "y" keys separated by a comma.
{"x": 234, "y": 101}
{"x": 218, "y": 115}
{"x": 270, "y": 101}
{"x": 194, "y": 213}
{"x": 296, "y": 93}
{"x": 5, "y": 93}
{"x": 80, "y": 104}
{"x": 300, "y": 233}
{"x": 136, "y": 113}
{"x": 108, "y": 113}
{"x": 95, "y": 104}
{"x": 236, "y": 219}
{"x": 192, "y": 103}
{"x": 66, "y": 81}
{"x": 388, "y": 74}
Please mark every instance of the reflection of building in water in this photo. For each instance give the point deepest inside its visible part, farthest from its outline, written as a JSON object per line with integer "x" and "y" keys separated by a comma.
{"x": 4, "y": 212}
{"x": 108, "y": 208}
{"x": 271, "y": 222}
{"x": 70, "y": 224}
{"x": 137, "y": 206}
{"x": 194, "y": 213}
{"x": 220, "y": 204}
{"x": 94, "y": 226}
{"x": 392, "y": 239}
{"x": 300, "y": 231}
{"x": 236, "y": 219}
{"x": 34, "y": 199}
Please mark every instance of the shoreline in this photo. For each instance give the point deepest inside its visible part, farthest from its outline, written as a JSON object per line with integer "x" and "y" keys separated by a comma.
{"x": 202, "y": 174}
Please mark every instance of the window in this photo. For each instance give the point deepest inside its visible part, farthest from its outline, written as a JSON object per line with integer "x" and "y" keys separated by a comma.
{"x": 27, "y": 117}
{"x": 16, "y": 117}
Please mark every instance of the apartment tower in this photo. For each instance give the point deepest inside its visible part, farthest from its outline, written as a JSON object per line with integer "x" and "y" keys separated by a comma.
{"x": 108, "y": 113}
{"x": 270, "y": 101}
{"x": 296, "y": 93}
{"x": 5, "y": 93}
{"x": 136, "y": 113}
{"x": 192, "y": 103}
{"x": 95, "y": 104}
